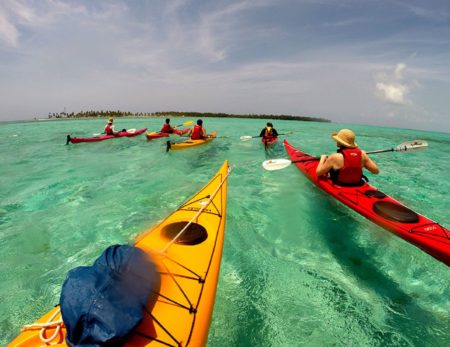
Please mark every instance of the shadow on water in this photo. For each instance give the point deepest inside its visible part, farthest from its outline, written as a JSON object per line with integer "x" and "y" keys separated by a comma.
{"x": 360, "y": 263}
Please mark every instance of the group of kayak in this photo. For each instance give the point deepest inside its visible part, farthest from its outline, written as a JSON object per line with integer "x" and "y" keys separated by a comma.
{"x": 197, "y": 134}
{"x": 186, "y": 247}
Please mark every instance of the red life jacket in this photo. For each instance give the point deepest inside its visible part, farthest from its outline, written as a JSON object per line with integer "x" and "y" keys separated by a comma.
{"x": 351, "y": 173}
{"x": 197, "y": 133}
{"x": 268, "y": 134}
{"x": 109, "y": 129}
{"x": 167, "y": 128}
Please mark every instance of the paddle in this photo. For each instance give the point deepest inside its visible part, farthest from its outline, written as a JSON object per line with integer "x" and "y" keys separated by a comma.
{"x": 247, "y": 137}
{"x": 185, "y": 124}
{"x": 278, "y": 164}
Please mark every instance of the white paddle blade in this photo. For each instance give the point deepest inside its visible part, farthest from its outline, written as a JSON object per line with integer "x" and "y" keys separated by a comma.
{"x": 246, "y": 138}
{"x": 416, "y": 145}
{"x": 131, "y": 131}
{"x": 96, "y": 135}
{"x": 276, "y": 164}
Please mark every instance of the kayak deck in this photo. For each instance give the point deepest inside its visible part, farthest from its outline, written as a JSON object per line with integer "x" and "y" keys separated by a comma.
{"x": 187, "y": 250}
{"x": 381, "y": 209}
{"x": 192, "y": 143}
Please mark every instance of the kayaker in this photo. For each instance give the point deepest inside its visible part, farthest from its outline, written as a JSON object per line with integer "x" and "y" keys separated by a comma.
{"x": 269, "y": 132}
{"x": 109, "y": 128}
{"x": 198, "y": 132}
{"x": 167, "y": 128}
{"x": 346, "y": 166}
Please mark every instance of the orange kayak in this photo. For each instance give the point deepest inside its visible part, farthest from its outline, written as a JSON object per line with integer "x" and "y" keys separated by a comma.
{"x": 187, "y": 250}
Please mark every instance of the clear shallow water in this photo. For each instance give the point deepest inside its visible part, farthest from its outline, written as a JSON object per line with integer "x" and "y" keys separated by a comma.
{"x": 298, "y": 268}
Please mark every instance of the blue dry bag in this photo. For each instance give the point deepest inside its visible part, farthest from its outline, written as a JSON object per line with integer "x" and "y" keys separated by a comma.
{"x": 103, "y": 303}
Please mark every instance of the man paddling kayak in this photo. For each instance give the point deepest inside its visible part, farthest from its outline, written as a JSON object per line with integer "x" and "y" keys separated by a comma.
{"x": 198, "y": 132}
{"x": 346, "y": 166}
{"x": 109, "y": 128}
{"x": 167, "y": 128}
{"x": 268, "y": 133}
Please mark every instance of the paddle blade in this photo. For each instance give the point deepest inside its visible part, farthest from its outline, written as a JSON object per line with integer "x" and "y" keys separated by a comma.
{"x": 246, "y": 138}
{"x": 131, "y": 131}
{"x": 416, "y": 145}
{"x": 276, "y": 164}
{"x": 187, "y": 123}
{"x": 152, "y": 133}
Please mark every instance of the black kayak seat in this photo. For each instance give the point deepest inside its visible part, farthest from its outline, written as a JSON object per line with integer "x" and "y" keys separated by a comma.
{"x": 395, "y": 212}
{"x": 193, "y": 235}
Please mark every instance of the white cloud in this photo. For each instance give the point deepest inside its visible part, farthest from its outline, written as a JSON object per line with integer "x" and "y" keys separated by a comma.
{"x": 399, "y": 71}
{"x": 391, "y": 88}
{"x": 15, "y": 15}
{"x": 393, "y": 93}
{"x": 8, "y": 32}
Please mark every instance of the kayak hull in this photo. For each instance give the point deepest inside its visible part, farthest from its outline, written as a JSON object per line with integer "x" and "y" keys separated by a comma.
{"x": 107, "y": 137}
{"x": 381, "y": 209}
{"x": 192, "y": 143}
{"x": 188, "y": 267}
{"x": 157, "y": 135}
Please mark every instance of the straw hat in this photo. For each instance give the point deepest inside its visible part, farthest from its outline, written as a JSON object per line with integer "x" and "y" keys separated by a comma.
{"x": 110, "y": 120}
{"x": 345, "y": 137}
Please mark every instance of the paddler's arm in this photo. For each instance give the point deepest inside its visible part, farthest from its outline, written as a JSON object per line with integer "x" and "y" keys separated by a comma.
{"x": 326, "y": 163}
{"x": 369, "y": 164}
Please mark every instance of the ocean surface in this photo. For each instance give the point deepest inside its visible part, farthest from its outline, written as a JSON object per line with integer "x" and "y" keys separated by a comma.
{"x": 298, "y": 268}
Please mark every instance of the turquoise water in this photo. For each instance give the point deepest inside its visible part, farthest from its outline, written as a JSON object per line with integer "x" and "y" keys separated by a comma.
{"x": 298, "y": 269}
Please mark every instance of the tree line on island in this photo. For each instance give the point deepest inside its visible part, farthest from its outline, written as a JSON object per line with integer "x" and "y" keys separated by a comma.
{"x": 118, "y": 114}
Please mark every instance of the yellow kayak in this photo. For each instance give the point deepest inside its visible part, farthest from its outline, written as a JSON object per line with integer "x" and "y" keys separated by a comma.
{"x": 190, "y": 143}
{"x": 187, "y": 249}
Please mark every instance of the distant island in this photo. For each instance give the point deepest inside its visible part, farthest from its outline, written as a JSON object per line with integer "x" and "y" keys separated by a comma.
{"x": 118, "y": 114}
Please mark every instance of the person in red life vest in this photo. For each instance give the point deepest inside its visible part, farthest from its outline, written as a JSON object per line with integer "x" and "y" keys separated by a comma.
{"x": 167, "y": 128}
{"x": 198, "y": 132}
{"x": 109, "y": 128}
{"x": 346, "y": 166}
{"x": 269, "y": 132}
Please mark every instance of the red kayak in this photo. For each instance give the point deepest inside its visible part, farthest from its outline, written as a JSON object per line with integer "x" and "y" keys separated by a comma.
{"x": 269, "y": 141}
{"x": 128, "y": 133}
{"x": 157, "y": 135}
{"x": 380, "y": 209}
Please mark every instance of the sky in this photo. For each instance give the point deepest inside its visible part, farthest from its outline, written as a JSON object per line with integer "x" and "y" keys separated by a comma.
{"x": 375, "y": 62}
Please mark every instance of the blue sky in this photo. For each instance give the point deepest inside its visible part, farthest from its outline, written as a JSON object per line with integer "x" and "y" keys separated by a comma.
{"x": 353, "y": 61}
